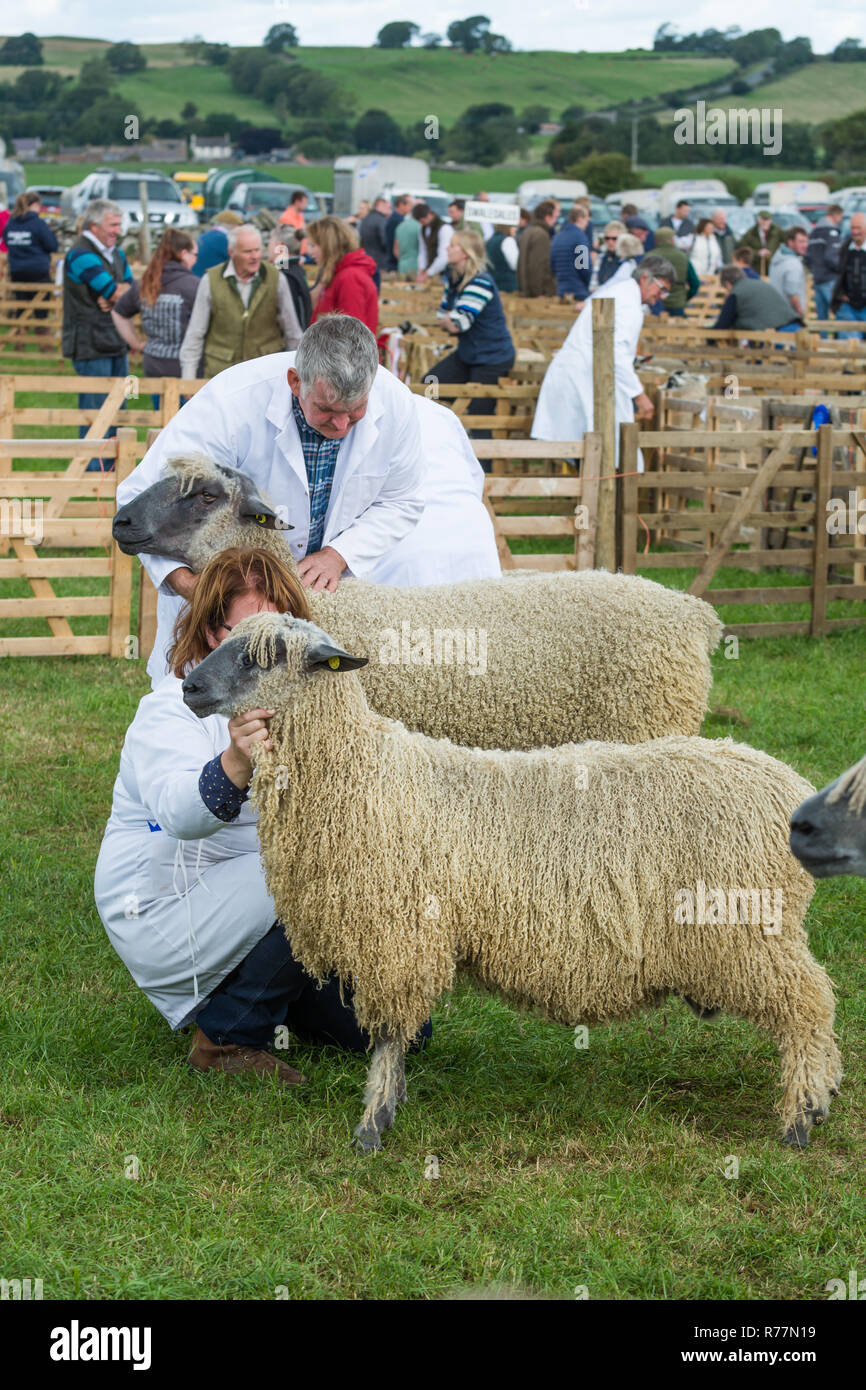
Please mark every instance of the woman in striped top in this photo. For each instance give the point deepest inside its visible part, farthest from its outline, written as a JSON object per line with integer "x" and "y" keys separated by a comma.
{"x": 472, "y": 310}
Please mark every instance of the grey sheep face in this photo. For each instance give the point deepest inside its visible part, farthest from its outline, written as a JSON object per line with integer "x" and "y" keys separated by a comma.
{"x": 828, "y": 835}
{"x": 183, "y": 514}
{"x": 264, "y": 664}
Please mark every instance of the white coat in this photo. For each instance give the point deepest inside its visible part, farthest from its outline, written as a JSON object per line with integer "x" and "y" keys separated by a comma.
{"x": 243, "y": 418}
{"x": 565, "y": 404}
{"x": 181, "y": 916}
{"x": 706, "y": 255}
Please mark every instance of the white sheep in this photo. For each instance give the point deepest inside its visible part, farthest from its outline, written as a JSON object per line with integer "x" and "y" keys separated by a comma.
{"x": 515, "y": 662}
{"x": 586, "y": 881}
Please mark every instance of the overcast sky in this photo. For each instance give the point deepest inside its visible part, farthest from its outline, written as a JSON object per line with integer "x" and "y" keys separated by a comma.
{"x": 559, "y": 24}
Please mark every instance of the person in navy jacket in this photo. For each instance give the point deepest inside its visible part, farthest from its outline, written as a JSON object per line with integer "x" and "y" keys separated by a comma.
{"x": 30, "y": 241}
{"x": 570, "y": 255}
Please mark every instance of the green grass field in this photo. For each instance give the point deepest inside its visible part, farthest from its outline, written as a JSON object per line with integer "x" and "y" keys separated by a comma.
{"x": 556, "y": 1167}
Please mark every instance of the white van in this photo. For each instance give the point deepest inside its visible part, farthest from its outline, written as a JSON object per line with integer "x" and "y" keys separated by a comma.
{"x": 783, "y": 192}
{"x": 530, "y": 194}
{"x": 360, "y": 177}
{"x": 695, "y": 191}
{"x": 644, "y": 199}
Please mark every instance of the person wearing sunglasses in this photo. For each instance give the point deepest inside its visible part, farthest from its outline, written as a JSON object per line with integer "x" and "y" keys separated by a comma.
{"x": 609, "y": 262}
{"x": 565, "y": 402}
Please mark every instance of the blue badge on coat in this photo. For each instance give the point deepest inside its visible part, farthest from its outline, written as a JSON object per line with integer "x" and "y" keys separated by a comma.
{"x": 153, "y": 827}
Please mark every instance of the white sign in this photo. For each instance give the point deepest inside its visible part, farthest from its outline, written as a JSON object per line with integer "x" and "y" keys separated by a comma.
{"x": 506, "y": 213}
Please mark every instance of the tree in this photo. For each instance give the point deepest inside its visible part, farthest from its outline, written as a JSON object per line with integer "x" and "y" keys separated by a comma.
{"x": 217, "y": 54}
{"x": 849, "y": 51}
{"x": 188, "y": 111}
{"x": 845, "y": 141}
{"x": 532, "y": 117}
{"x": 25, "y": 51}
{"x": 467, "y": 33}
{"x": 217, "y": 123}
{"x": 96, "y": 74}
{"x": 35, "y": 89}
{"x": 258, "y": 139}
{"x": 495, "y": 43}
{"x": 398, "y": 34}
{"x": 379, "y": 133}
{"x": 109, "y": 113}
{"x": 319, "y": 147}
{"x": 572, "y": 113}
{"x": 605, "y": 173}
{"x": 280, "y": 37}
{"x": 484, "y": 134}
{"x": 168, "y": 129}
{"x": 431, "y": 40}
{"x": 125, "y": 57}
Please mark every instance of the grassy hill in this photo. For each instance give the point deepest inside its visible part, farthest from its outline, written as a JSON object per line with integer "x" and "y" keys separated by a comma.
{"x": 821, "y": 91}
{"x": 410, "y": 84}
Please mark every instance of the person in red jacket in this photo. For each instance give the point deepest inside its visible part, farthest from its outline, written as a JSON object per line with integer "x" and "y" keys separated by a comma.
{"x": 345, "y": 282}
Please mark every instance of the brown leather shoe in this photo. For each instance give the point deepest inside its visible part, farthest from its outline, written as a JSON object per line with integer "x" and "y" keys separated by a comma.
{"x": 233, "y": 1058}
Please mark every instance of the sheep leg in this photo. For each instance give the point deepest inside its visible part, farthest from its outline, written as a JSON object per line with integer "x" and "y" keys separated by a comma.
{"x": 385, "y": 1086}
{"x": 811, "y": 1065}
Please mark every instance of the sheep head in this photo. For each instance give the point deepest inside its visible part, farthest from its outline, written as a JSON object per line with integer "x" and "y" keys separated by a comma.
{"x": 195, "y": 510}
{"x": 828, "y": 831}
{"x": 265, "y": 663}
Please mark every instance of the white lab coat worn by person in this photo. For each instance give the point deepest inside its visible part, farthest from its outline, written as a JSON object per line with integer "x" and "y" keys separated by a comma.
{"x": 454, "y": 539}
{"x": 396, "y": 457}
{"x": 565, "y": 404}
{"x": 180, "y": 893}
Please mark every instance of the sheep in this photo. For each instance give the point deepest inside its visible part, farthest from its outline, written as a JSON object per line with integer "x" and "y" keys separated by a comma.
{"x": 828, "y": 832}
{"x": 586, "y": 881}
{"x": 515, "y": 662}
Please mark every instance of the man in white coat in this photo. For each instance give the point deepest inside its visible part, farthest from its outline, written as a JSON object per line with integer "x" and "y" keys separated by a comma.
{"x": 565, "y": 402}
{"x": 334, "y": 440}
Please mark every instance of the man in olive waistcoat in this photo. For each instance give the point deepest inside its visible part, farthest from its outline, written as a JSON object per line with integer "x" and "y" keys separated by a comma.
{"x": 243, "y": 309}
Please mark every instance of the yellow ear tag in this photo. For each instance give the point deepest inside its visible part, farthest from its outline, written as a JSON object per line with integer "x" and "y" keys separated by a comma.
{"x": 261, "y": 519}
{"x": 334, "y": 663}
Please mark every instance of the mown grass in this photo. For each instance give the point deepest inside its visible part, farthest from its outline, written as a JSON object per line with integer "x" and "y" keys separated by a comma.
{"x": 556, "y": 1167}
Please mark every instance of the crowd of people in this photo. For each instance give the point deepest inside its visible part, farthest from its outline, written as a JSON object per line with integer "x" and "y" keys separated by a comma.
{"x": 234, "y": 295}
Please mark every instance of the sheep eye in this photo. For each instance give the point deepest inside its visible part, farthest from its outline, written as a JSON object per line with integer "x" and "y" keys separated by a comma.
{"x": 247, "y": 661}
{"x": 208, "y": 497}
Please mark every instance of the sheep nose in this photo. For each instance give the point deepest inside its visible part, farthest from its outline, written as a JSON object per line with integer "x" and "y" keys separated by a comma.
{"x": 121, "y": 519}
{"x": 189, "y": 687}
{"x": 802, "y": 825}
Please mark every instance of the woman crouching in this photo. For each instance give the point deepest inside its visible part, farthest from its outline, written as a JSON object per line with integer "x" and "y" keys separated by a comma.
{"x": 179, "y": 884}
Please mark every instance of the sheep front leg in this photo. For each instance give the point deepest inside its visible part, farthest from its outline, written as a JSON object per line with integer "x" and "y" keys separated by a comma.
{"x": 386, "y": 1085}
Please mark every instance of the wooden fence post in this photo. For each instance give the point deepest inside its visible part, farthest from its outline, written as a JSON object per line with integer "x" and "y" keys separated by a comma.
{"x": 121, "y": 565}
{"x": 604, "y": 424}
{"x": 628, "y": 451}
{"x": 821, "y": 551}
{"x": 585, "y": 537}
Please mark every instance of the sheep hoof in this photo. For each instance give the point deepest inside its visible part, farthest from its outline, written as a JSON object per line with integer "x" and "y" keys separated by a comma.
{"x": 367, "y": 1139}
{"x": 797, "y": 1135}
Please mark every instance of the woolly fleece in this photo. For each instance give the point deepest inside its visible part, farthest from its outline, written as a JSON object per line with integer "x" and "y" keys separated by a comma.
{"x": 569, "y": 656}
{"x": 551, "y": 877}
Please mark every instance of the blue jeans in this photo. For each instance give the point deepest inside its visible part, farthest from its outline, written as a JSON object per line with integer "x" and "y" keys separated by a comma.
{"x": 852, "y": 315}
{"x": 793, "y": 327}
{"x": 822, "y": 300}
{"x": 92, "y": 400}
{"x": 269, "y": 989}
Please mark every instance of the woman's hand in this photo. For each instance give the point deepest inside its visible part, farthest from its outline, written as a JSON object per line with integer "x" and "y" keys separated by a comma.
{"x": 643, "y": 407}
{"x": 245, "y": 730}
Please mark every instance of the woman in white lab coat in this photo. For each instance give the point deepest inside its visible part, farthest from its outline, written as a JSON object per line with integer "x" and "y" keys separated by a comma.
{"x": 179, "y": 884}
{"x": 565, "y": 402}
{"x": 706, "y": 254}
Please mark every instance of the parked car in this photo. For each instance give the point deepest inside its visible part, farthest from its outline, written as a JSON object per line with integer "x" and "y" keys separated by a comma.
{"x": 250, "y": 198}
{"x": 50, "y": 195}
{"x": 165, "y": 206}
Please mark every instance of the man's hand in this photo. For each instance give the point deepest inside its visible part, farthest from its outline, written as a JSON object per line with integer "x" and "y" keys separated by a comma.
{"x": 643, "y": 407}
{"x": 183, "y": 581}
{"x": 245, "y": 730}
{"x": 422, "y": 277}
{"x": 321, "y": 570}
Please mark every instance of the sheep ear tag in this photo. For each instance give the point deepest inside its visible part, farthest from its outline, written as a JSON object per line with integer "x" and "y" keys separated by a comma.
{"x": 326, "y": 657}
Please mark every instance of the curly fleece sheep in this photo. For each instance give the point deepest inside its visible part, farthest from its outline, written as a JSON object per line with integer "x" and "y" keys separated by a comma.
{"x": 587, "y": 881}
{"x": 546, "y": 658}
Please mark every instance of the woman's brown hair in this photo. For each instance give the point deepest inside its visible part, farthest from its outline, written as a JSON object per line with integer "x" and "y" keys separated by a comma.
{"x": 24, "y": 202}
{"x": 173, "y": 242}
{"x": 336, "y": 239}
{"x": 229, "y": 575}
